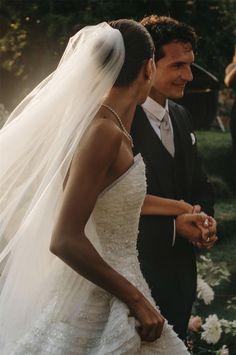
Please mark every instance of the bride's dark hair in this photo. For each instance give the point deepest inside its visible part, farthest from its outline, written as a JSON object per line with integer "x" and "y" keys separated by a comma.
{"x": 138, "y": 47}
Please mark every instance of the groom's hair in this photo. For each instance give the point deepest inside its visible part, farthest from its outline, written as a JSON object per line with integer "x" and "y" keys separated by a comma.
{"x": 164, "y": 30}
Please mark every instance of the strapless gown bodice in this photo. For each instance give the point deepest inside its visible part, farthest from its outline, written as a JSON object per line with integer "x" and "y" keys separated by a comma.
{"x": 104, "y": 325}
{"x": 117, "y": 212}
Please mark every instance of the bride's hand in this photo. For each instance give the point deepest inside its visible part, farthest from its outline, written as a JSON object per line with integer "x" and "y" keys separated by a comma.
{"x": 150, "y": 321}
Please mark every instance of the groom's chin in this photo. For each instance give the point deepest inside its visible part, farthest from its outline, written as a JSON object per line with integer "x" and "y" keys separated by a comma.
{"x": 178, "y": 94}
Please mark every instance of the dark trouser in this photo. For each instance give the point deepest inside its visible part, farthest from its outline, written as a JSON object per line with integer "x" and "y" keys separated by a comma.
{"x": 173, "y": 287}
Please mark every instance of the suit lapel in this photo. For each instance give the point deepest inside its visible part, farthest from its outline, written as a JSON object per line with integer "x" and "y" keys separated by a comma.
{"x": 150, "y": 146}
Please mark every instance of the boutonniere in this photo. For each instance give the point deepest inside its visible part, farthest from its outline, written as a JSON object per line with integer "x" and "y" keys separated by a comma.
{"x": 193, "y": 138}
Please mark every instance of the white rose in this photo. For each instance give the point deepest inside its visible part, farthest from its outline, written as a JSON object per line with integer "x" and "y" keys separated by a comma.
{"x": 204, "y": 291}
{"x": 212, "y": 329}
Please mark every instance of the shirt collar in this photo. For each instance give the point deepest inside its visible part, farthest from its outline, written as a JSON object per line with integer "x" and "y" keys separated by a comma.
{"x": 154, "y": 108}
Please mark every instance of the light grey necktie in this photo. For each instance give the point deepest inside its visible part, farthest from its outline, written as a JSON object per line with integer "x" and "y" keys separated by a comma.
{"x": 167, "y": 137}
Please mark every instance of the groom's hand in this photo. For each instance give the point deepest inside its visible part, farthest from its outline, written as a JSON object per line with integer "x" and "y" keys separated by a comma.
{"x": 187, "y": 226}
{"x": 208, "y": 230}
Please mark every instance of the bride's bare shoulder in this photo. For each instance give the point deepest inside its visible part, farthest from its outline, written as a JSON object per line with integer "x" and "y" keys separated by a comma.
{"x": 97, "y": 150}
{"x": 100, "y": 144}
{"x": 103, "y": 133}
{"x": 106, "y": 126}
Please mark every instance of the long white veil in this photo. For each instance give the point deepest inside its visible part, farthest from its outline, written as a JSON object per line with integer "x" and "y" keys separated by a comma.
{"x": 36, "y": 146}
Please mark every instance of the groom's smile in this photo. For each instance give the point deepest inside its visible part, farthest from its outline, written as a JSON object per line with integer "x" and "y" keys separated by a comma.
{"x": 173, "y": 71}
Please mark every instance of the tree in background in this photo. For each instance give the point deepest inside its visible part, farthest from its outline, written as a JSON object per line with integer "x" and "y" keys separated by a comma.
{"x": 34, "y": 33}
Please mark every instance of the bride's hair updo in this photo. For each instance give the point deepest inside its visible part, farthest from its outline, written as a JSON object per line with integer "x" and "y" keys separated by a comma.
{"x": 138, "y": 47}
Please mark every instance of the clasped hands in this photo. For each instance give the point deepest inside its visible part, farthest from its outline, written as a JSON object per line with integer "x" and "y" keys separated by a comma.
{"x": 197, "y": 227}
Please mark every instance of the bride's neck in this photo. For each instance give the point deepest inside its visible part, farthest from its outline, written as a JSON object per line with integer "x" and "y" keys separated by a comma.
{"x": 120, "y": 100}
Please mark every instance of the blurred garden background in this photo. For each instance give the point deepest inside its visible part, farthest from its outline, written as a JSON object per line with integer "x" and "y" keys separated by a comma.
{"x": 33, "y": 35}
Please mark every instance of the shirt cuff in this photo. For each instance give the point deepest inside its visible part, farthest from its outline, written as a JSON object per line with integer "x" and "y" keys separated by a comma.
{"x": 174, "y": 232}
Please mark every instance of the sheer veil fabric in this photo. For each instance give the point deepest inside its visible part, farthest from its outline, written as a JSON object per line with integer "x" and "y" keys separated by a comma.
{"x": 37, "y": 144}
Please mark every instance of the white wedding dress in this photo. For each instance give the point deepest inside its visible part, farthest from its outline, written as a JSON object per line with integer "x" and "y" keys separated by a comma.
{"x": 103, "y": 325}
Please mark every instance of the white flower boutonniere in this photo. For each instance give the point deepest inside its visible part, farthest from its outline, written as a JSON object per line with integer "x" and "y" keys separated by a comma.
{"x": 193, "y": 138}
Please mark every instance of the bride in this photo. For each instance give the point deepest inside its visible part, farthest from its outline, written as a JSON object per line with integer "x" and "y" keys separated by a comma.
{"x": 71, "y": 187}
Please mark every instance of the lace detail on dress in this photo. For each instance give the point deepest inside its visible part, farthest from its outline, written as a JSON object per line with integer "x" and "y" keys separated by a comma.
{"x": 103, "y": 325}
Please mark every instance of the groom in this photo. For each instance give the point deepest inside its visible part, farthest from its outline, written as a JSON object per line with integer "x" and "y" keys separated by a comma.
{"x": 162, "y": 133}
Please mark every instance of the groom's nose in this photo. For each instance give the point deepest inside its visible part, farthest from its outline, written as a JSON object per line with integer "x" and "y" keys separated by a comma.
{"x": 187, "y": 74}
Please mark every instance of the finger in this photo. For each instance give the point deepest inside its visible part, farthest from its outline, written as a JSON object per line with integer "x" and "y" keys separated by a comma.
{"x": 196, "y": 209}
{"x": 212, "y": 234}
{"x": 207, "y": 241}
{"x": 212, "y": 223}
{"x": 206, "y": 223}
{"x": 160, "y": 328}
{"x": 206, "y": 234}
{"x": 153, "y": 333}
{"x": 203, "y": 214}
{"x": 209, "y": 244}
{"x": 152, "y": 328}
{"x": 144, "y": 331}
{"x": 210, "y": 220}
{"x": 199, "y": 218}
{"x": 205, "y": 238}
{"x": 212, "y": 230}
{"x": 212, "y": 243}
{"x": 156, "y": 329}
{"x": 210, "y": 238}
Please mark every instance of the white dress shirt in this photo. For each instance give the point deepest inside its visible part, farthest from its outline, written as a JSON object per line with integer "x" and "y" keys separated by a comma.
{"x": 155, "y": 112}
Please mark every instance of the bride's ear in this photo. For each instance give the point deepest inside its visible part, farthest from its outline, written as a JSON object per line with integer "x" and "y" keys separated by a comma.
{"x": 149, "y": 69}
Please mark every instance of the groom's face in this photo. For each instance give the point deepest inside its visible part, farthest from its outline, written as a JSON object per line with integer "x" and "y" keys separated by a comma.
{"x": 173, "y": 71}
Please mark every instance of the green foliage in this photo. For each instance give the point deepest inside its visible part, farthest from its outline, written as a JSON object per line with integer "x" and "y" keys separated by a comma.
{"x": 215, "y": 23}
{"x": 33, "y": 33}
{"x": 213, "y": 273}
{"x": 219, "y": 326}
{"x": 216, "y": 149}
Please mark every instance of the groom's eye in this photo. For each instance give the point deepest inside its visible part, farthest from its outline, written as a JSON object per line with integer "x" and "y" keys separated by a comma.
{"x": 178, "y": 65}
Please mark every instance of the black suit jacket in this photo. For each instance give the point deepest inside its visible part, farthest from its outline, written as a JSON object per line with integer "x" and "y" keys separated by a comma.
{"x": 196, "y": 186}
{"x": 170, "y": 270}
